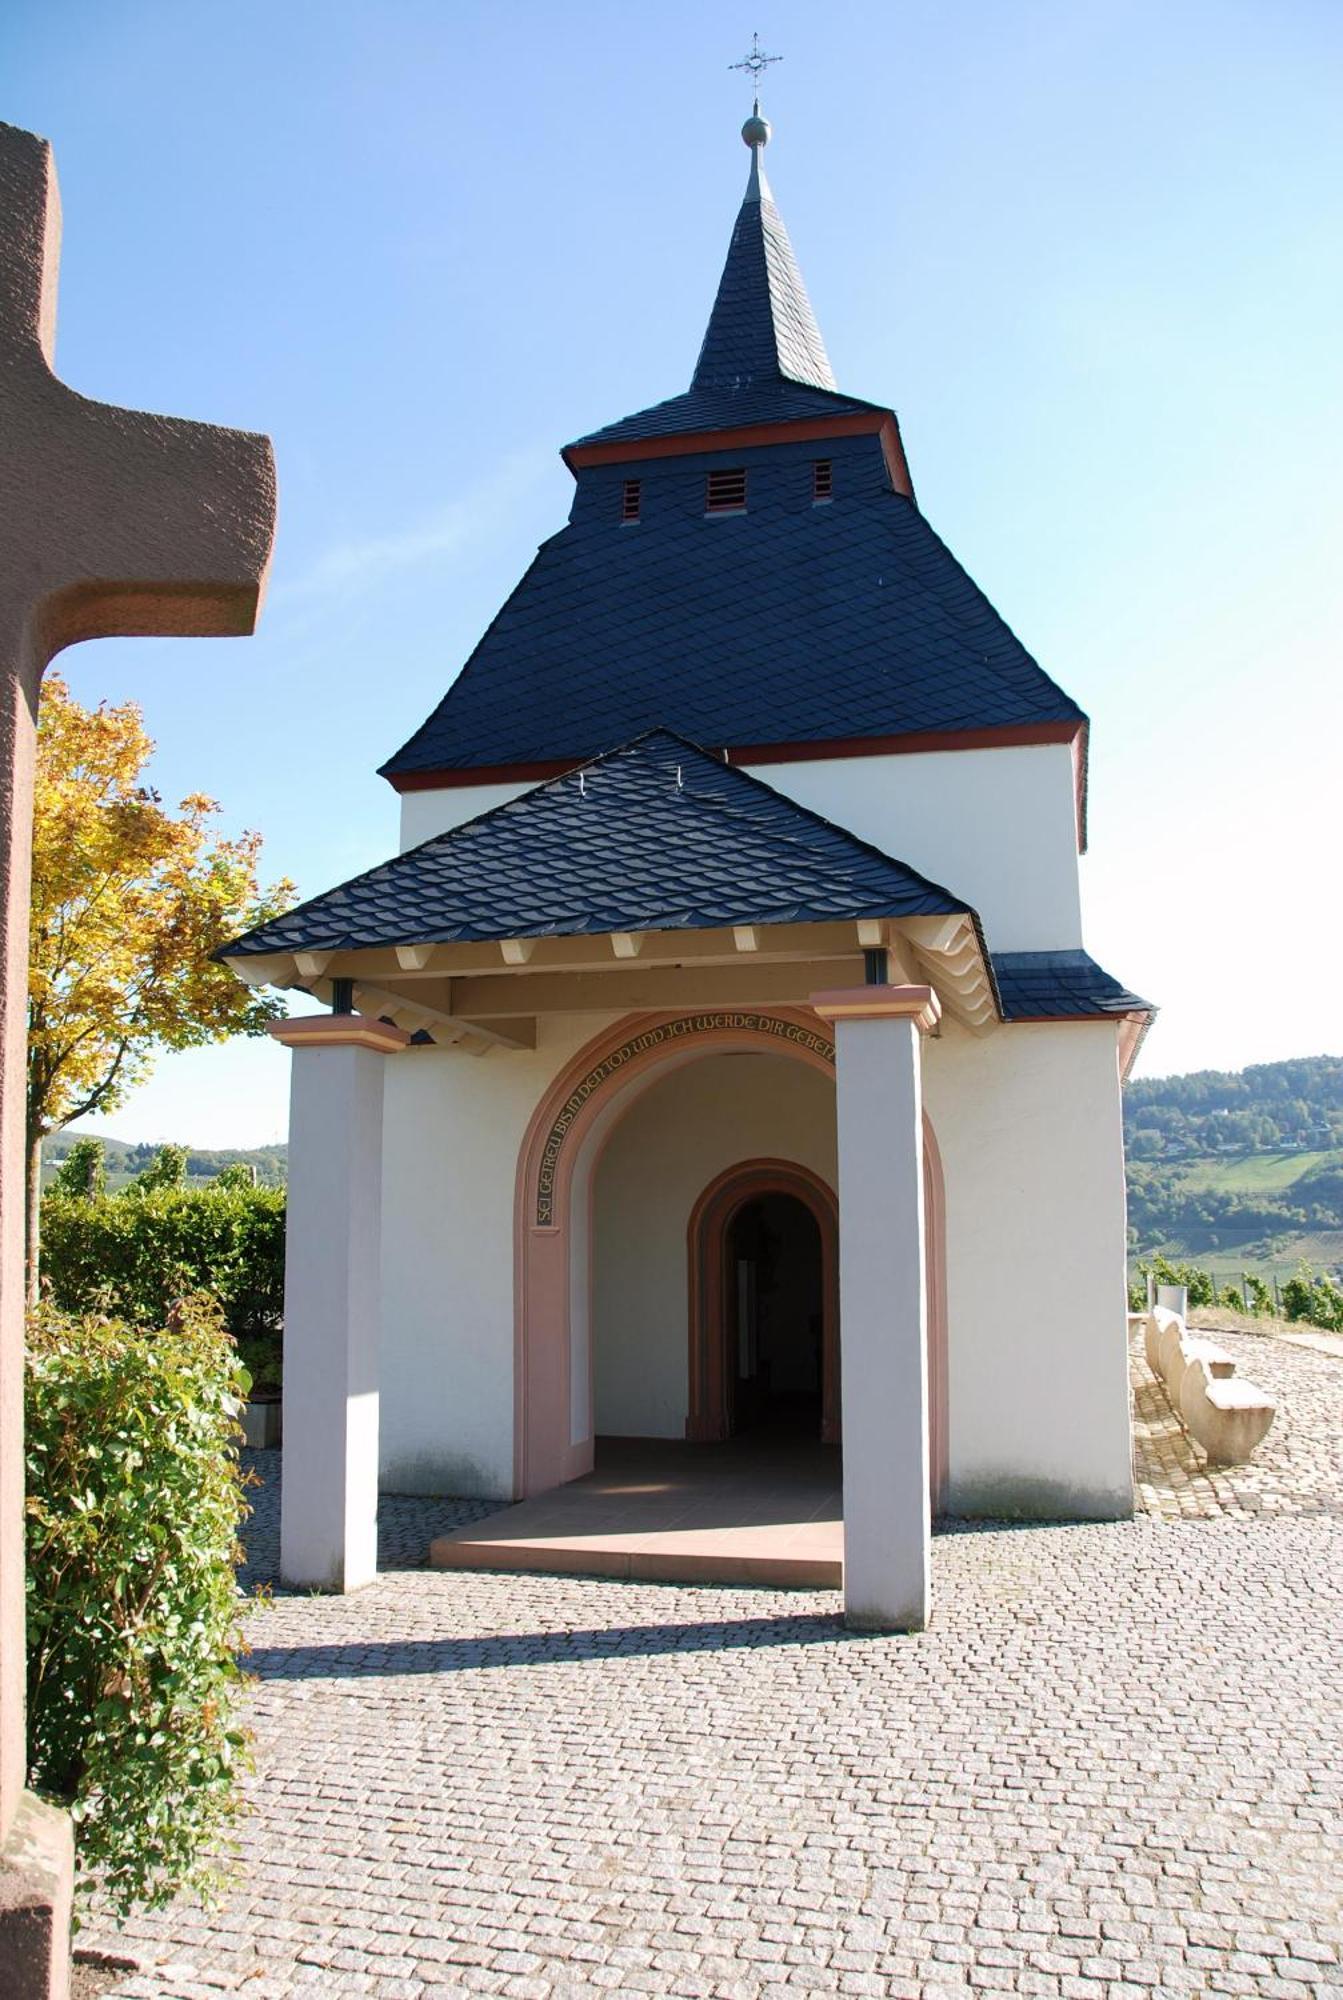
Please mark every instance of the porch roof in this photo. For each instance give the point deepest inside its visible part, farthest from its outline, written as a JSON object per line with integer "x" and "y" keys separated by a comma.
{"x": 655, "y": 836}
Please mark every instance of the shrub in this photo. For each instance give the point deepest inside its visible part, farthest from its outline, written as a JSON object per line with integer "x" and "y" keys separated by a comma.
{"x": 263, "y": 1359}
{"x": 135, "y": 1497}
{"x": 1317, "y": 1301}
{"x": 167, "y": 1169}
{"x": 83, "y": 1171}
{"x": 133, "y": 1255}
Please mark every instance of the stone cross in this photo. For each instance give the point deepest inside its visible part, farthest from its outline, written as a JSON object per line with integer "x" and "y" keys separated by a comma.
{"x": 112, "y": 523}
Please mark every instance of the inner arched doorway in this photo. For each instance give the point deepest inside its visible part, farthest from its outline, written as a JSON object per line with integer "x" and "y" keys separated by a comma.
{"x": 763, "y": 1246}
{"x": 775, "y": 1318}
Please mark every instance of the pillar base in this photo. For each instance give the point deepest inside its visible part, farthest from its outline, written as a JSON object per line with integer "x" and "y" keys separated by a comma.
{"x": 37, "y": 1879}
{"x": 914, "y": 1620}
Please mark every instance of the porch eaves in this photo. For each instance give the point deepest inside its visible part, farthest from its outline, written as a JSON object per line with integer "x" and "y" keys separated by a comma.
{"x": 658, "y": 872}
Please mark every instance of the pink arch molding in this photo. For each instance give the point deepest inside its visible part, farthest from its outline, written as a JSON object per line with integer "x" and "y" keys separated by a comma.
{"x": 552, "y": 1398}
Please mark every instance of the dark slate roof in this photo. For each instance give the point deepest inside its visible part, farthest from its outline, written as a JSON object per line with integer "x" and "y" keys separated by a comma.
{"x": 1060, "y": 986}
{"x": 727, "y": 408}
{"x": 657, "y": 835}
{"x": 762, "y": 324}
{"x": 763, "y": 359}
{"x": 785, "y": 624}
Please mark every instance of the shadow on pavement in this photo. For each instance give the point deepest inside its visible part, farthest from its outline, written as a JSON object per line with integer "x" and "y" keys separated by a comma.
{"x": 541, "y": 1649}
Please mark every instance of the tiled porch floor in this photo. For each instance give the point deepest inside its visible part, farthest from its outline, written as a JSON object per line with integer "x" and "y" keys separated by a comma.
{"x": 756, "y": 1510}
{"x": 767, "y": 1510}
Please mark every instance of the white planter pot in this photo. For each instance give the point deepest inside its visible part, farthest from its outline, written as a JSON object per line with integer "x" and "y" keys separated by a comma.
{"x": 262, "y": 1425}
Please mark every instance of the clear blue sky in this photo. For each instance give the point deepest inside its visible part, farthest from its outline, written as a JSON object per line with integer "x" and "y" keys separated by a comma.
{"x": 1090, "y": 252}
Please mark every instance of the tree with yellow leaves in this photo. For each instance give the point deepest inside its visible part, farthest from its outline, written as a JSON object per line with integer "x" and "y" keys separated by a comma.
{"x": 129, "y": 903}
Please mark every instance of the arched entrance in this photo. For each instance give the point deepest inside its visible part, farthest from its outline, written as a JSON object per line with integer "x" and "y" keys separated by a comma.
{"x": 553, "y": 1379}
{"x": 553, "y": 1435}
{"x": 764, "y": 1302}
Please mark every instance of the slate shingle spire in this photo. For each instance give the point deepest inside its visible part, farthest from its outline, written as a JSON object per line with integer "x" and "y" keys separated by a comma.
{"x": 762, "y": 328}
{"x": 767, "y": 631}
{"x": 763, "y": 360}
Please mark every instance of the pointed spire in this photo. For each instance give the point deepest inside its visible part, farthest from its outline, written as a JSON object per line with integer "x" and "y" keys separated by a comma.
{"x": 762, "y": 328}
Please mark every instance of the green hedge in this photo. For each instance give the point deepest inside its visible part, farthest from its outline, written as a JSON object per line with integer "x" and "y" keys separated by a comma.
{"x": 134, "y": 1501}
{"x": 133, "y": 1255}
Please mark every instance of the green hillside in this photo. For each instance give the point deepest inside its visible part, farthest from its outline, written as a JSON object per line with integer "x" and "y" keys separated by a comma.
{"x": 1239, "y": 1170}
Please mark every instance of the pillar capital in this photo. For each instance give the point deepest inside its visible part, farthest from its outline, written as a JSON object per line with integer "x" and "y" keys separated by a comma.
{"x": 918, "y": 1004}
{"x": 340, "y": 1031}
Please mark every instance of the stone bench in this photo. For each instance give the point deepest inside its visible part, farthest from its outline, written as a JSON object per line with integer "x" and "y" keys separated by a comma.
{"x": 1176, "y": 1347}
{"x": 1228, "y": 1418}
{"x": 1226, "y": 1415}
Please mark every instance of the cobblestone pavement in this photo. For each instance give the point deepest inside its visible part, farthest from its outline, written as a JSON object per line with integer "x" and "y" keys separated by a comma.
{"x": 405, "y": 1526}
{"x": 1111, "y": 1769}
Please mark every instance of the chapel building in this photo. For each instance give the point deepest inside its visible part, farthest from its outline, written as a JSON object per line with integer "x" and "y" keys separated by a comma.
{"x": 720, "y": 1058}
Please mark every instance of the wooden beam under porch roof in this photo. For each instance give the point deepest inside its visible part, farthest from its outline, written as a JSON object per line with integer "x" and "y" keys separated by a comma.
{"x": 506, "y": 957}
{"x": 464, "y": 986}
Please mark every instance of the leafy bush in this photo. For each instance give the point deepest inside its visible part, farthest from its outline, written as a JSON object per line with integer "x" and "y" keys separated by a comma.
{"x": 133, "y": 1255}
{"x": 262, "y": 1357}
{"x": 83, "y": 1171}
{"x": 1260, "y": 1297}
{"x": 1318, "y": 1301}
{"x": 167, "y": 1169}
{"x": 134, "y": 1501}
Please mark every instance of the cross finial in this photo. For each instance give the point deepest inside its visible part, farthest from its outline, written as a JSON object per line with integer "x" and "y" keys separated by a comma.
{"x": 755, "y": 63}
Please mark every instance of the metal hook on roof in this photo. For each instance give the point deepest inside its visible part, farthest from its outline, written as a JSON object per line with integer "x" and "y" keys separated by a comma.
{"x": 582, "y": 785}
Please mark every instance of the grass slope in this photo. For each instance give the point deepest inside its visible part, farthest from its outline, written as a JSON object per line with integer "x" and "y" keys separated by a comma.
{"x": 1257, "y": 1173}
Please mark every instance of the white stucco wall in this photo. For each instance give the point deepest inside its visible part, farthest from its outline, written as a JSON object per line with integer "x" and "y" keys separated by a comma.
{"x": 997, "y": 827}
{"x": 423, "y": 814}
{"x": 1028, "y": 1123}
{"x": 453, "y": 1126}
{"x": 677, "y": 1137}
